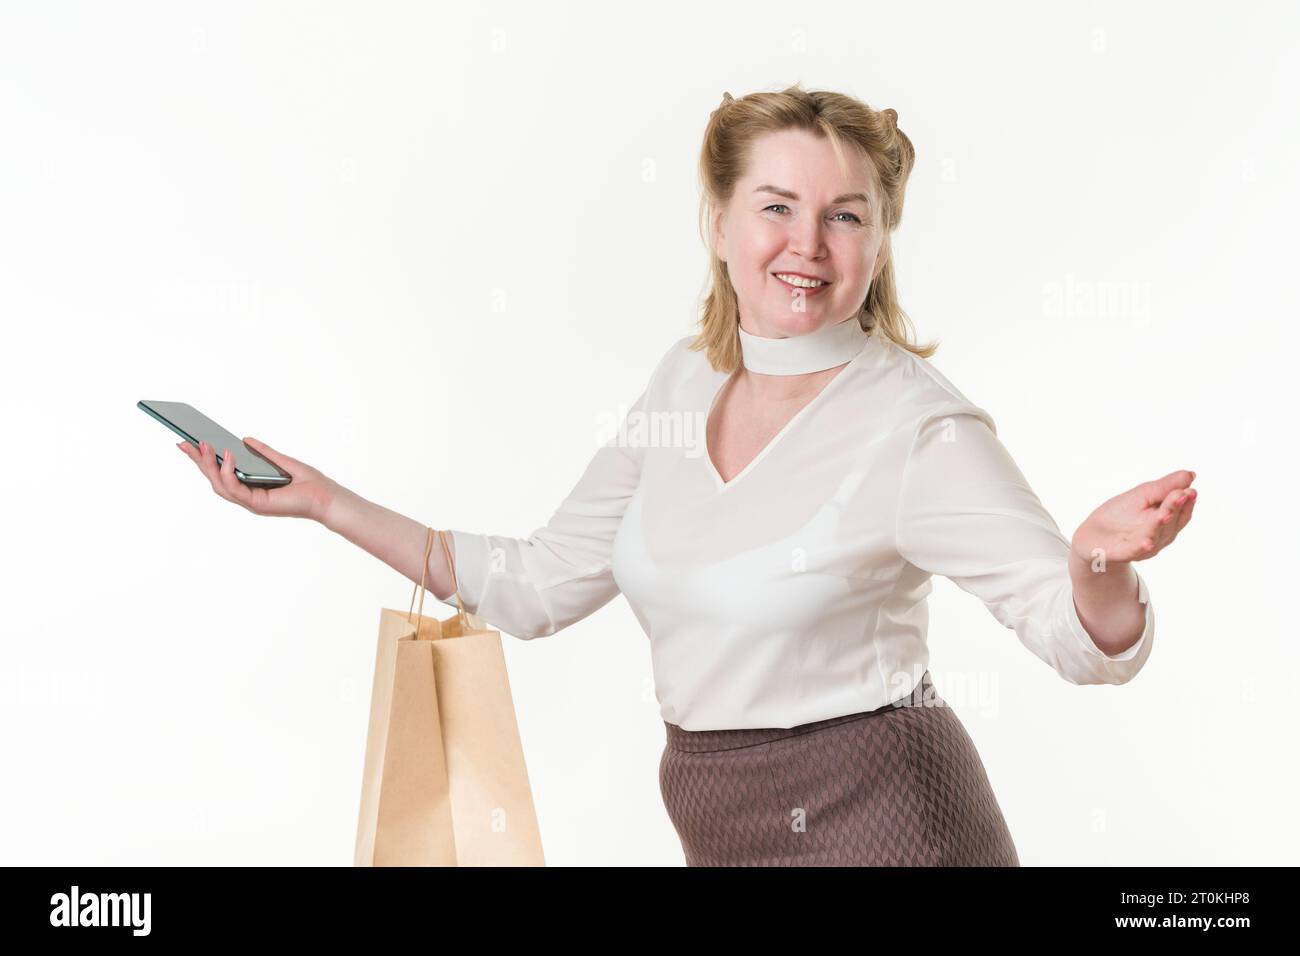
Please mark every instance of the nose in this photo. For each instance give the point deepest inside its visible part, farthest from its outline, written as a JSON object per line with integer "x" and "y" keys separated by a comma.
{"x": 806, "y": 239}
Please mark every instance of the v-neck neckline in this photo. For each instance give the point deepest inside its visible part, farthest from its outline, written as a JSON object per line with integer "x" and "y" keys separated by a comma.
{"x": 721, "y": 486}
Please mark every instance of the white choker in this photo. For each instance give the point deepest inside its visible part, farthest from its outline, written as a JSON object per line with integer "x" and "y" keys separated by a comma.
{"x": 829, "y": 346}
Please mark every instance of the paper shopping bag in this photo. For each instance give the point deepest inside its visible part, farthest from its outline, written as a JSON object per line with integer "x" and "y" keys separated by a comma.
{"x": 444, "y": 782}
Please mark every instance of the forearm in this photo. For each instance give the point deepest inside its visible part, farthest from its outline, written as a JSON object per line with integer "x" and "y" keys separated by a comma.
{"x": 395, "y": 539}
{"x": 1107, "y": 602}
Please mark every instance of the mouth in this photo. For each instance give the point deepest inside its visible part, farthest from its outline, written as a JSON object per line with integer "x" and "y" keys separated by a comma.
{"x": 808, "y": 285}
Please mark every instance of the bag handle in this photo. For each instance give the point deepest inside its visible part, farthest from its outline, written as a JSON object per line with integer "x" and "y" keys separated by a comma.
{"x": 455, "y": 584}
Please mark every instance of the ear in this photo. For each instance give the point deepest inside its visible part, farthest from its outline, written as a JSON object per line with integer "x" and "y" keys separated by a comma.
{"x": 716, "y": 233}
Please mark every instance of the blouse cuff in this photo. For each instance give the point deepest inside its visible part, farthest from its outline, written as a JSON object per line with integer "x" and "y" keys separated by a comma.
{"x": 1089, "y": 645}
{"x": 471, "y": 570}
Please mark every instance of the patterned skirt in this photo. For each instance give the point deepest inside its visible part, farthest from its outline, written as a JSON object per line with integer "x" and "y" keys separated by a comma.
{"x": 898, "y": 786}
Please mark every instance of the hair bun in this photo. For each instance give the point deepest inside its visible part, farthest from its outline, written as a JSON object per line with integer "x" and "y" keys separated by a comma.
{"x": 893, "y": 116}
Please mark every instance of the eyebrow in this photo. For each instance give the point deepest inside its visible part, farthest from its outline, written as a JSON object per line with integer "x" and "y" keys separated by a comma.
{"x": 787, "y": 194}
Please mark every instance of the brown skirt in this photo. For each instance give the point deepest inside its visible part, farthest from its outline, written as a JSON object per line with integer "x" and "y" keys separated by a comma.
{"x": 898, "y": 786}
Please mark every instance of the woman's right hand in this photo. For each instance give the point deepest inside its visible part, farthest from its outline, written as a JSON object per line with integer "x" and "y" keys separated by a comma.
{"x": 307, "y": 496}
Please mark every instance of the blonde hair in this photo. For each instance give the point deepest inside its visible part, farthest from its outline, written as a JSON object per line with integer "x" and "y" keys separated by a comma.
{"x": 868, "y": 134}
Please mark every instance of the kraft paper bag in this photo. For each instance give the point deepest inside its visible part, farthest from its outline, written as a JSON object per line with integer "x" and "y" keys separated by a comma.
{"x": 444, "y": 782}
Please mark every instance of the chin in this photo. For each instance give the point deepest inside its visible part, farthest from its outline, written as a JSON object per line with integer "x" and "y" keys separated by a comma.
{"x": 786, "y": 322}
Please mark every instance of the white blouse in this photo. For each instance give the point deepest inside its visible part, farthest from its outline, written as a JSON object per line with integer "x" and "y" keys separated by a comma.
{"x": 796, "y": 591}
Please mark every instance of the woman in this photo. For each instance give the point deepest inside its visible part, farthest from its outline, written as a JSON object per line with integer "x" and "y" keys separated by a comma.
{"x": 774, "y": 507}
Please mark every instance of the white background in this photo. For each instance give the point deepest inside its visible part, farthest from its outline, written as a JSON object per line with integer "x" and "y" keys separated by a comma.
{"x": 428, "y": 248}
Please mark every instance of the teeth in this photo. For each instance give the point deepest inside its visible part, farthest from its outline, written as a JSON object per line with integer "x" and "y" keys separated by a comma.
{"x": 800, "y": 281}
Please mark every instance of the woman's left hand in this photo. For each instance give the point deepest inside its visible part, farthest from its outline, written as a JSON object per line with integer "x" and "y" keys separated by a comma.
{"x": 1139, "y": 523}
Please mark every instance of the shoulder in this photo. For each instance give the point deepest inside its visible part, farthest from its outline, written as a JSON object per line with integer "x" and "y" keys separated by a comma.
{"x": 680, "y": 361}
{"x": 681, "y": 349}
{"x": 674, "y": 365}
{"x": 918, "y": 392}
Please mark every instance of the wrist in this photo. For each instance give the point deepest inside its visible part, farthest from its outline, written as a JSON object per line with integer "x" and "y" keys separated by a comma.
{"x": 338, "y": 502}
{"x": 1084, "y": 551}
{"x": 1097, "y": 583}
{"x": 1088, "y": 563}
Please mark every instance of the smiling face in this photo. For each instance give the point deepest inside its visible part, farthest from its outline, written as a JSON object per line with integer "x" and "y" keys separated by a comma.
{"x": 794, "y": 213}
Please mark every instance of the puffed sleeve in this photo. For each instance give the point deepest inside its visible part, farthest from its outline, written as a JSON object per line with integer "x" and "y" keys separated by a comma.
{"x": 966, "y": 512}
{"x": 562, "y": 572}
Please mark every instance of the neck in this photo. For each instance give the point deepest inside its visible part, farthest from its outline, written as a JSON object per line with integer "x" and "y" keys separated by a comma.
{"x": 802, "y": 356}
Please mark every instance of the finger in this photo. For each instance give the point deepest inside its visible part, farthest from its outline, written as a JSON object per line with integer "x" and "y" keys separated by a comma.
{"x": 290, "y": 465}
{"x": 211, "y": 471}
{"x": 192, "y": 453}
{"x": 235, "y": 489}
{"x": 1157, "y": 491}
{"x": 208, "y": 465}
{"x": 202, "y": 454}
{"x": 1169, "y": 527}
{"x": 1146, "y": 547}
{"x": 1186, "y": 514}
{"x": 1170, "y": 507}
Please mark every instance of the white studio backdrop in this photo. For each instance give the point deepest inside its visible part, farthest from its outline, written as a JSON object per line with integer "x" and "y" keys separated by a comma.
{"x": 430, "y": 249}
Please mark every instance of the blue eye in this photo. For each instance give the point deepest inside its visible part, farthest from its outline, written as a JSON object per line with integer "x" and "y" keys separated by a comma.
{"x": 780, "y": 205}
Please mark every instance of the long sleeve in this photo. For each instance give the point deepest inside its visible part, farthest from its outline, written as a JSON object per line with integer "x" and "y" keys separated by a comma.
{"x": 966, "y": 512}
{"x": 562, "y": 572}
